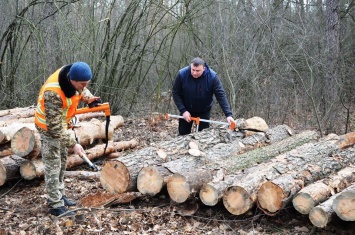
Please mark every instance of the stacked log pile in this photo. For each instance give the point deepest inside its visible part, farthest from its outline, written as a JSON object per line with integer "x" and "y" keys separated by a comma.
{"x": 217, "y": 165}
{"x": 252, "y": 166}
{"x": 20, "y": 145}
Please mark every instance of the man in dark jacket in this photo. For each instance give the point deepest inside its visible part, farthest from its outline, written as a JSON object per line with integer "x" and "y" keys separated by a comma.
{"x": 193, "y": 92}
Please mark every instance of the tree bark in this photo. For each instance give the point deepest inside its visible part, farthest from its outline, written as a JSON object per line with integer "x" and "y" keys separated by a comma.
{"x": 322, "y": 214}
{"x": 318, "y": 192}
{"x": 84, "y": 175}
{"x": 188, "y": 178}
{"x": 344, "y": 204}
{"x": 10, "y": 168}
{"x": 17, "y": 113}
{"x": 35, "y": 168}
{"x": 245, "y": 160}
{"x": 98, "y": 151}
{"x": 213, "y": 191}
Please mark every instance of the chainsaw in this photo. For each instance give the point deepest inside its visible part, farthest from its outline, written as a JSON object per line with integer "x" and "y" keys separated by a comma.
{"x": 197, "y": 120}
{"x": 95, "y": 106}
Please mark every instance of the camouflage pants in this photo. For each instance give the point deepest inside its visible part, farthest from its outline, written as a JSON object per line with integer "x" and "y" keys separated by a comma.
{"x": 54, "y": 155}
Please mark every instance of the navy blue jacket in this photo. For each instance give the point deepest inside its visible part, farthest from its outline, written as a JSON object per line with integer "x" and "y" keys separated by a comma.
{"x": 196, "y": 95}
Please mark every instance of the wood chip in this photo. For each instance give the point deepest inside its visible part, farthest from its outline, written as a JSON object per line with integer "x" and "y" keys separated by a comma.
{"x": 194, "y": 152}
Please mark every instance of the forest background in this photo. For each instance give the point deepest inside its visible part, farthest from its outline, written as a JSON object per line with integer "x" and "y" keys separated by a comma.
{"x": 288, "y": 61}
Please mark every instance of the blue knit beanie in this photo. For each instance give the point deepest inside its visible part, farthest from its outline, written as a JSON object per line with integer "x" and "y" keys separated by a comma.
{"x": 80, "y": 71}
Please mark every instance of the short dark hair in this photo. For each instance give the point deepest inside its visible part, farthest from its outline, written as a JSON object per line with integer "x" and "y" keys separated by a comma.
{"x": 197, "y": 61}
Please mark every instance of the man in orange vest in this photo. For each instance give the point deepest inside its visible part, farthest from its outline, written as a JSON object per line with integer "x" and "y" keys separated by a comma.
{"x": 57, "y": 102}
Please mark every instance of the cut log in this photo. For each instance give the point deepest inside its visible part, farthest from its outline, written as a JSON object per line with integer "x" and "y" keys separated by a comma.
{"x": 98, "y": 151}
{"x": 89, "y": 116}
{"x": 84, "y": 175}
{"x": 322, "y": 214}
{"x": 321, "y": 190}
{"x": 254, "y": 123}
{"x": 183, "y": 187}
{"x": 35, "y": 168}
{"x": 215, "y": 191}
{"x": 10, "y": 168}
{"x": 7, "y": 132}
{"x": 188, "y": 178}
{"x": 344, "y": 204}
{"x": 87, "y": 132}
{"x": 245, "y": 160}
{"x": 32, "y": 169}
{"x": 211, "y": 192}
{"x": 5, "y": 150}
{"x": 26, "y": 142}
{"x": 115, "y": 177}
{"x": 16, "y": 121}
{"x": 217, "y": 144}
{"x": 346, "y": 140}
{"x": 310, "y": 196}
{"x": 275, "y": 194}
{"x": 21, "y": 112}
{"x": 295, "y": 159}
{"x": 151, "y": 179}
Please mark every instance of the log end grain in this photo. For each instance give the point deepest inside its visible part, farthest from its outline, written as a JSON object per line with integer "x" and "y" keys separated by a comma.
{"x": 28, "y": 170}
{"x": 208, "y": 195}
{"x": 149, "y": 181}
{"x": 270, "y": 197}
{"x": 115, "y": 177}
{"x": 23, "y": 142}
{"x": 344, "y": 205}
{"x": 178, "y": 188}
{"x": 303, "y": 203}
{"x": 237, "y": 200}
{"x": 319, "y": 217}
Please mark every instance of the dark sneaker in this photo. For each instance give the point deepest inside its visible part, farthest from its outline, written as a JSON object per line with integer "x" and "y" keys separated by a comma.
{"x": 68, "y": 202}
{"x": 61, "y": 211}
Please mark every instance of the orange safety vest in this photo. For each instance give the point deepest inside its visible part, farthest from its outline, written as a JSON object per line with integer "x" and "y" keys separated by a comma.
{"x": 69, "y": 104}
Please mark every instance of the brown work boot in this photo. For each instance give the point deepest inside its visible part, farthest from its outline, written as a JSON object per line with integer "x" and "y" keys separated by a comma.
{"x": 62, "y": 210}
